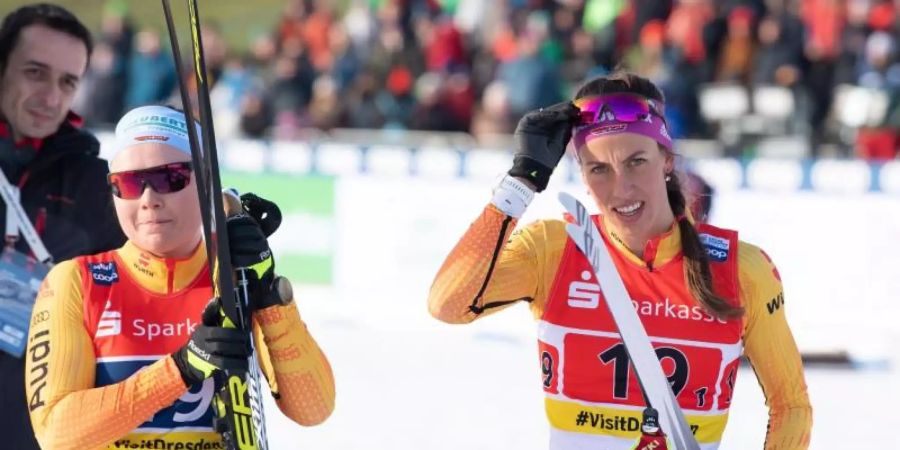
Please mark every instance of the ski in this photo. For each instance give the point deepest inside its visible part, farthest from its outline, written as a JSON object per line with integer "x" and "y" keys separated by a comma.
{"x": 651, "y": 378}
{"x": 237, "y": 403}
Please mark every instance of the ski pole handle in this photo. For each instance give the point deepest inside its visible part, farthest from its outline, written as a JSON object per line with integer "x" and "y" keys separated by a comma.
{"x": 231, "y": 201}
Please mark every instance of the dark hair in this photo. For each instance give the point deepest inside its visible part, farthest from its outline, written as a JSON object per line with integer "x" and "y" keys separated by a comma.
{"x": 620, "y": 82}
{"x": 50, "y": 15}
{"x": 696, "y": 264}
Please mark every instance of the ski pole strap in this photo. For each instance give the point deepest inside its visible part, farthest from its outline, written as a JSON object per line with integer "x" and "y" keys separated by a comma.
{"x": 11, "y": 198}
{"x": 12, "y": 220}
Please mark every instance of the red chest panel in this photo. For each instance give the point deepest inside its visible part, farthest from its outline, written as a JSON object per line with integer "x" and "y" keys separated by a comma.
{"x": 582, "y": 355}
{"x": 131, "y": 327}
{"x": 126, "y": 319}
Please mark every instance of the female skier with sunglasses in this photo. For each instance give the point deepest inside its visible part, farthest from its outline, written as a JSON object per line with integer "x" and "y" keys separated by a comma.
{"x": 704, "y": 297}
{"x": 124, "y": 345}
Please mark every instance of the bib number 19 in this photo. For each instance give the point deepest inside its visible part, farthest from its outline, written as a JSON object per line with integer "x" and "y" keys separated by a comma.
{"x": 618, "y": 357}
{"x": 598, "y": 369}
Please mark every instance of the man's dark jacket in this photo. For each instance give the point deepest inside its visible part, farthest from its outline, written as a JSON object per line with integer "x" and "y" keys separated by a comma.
{"x": 64, "y": 192}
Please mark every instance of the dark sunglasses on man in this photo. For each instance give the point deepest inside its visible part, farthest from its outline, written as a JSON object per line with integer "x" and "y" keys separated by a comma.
{"x": 129, "y": 185}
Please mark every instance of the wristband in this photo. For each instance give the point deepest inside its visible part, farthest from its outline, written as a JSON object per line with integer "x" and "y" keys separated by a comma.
{"x": 511, "y": 196}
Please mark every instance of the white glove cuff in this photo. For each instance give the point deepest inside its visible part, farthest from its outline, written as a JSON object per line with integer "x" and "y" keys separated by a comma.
{"x": 511, "y": 196}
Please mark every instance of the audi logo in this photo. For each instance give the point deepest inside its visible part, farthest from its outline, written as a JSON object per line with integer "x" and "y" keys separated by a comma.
{"x": 40, "y": 316}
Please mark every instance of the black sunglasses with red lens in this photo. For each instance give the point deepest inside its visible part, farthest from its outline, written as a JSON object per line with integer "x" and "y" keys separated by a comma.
{"x": 162, "y": 179}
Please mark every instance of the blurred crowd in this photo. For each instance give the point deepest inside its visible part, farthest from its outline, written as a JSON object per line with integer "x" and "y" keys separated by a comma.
{"x": 476, "y": 66}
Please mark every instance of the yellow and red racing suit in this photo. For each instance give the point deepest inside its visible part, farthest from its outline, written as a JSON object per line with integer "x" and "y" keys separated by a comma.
{"x": 98, "y": 370}
{"x": 592, "y": 397}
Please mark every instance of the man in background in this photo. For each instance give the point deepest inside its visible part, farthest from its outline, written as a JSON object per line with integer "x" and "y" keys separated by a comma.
{"x": 44, "y": 52}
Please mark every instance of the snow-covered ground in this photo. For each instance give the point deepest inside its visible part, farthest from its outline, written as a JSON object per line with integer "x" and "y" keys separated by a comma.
{"x": 406, "y": 381}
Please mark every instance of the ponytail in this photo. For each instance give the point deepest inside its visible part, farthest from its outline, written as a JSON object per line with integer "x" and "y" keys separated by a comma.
{"x": 696, "y": 264}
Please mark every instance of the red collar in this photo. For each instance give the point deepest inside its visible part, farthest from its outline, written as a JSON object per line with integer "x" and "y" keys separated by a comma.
{"x": 36, "y": 143}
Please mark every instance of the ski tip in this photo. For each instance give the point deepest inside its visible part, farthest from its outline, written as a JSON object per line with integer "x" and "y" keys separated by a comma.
{"x": 574, "y": 229}
{"x": 570, "y": 203}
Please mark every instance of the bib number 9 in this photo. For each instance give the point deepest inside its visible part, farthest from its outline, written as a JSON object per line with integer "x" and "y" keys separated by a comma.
{"x": 191, "y": 409}
{"x": 200, "y": 399}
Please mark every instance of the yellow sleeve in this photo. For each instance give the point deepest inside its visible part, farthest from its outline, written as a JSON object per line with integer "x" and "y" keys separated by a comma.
{"x": 67, "y": 411}
{"x": 772, "y": 352}
{"x": 490, "y": 268}
{"x": 298, "y": 371}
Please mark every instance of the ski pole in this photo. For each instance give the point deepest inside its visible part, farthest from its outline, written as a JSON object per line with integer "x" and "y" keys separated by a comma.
{"x": 237, "y": 404}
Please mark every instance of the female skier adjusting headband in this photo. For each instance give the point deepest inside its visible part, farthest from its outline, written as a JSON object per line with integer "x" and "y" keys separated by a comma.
{"x": 113, "y": 354}
{"x": 702, "y": 295}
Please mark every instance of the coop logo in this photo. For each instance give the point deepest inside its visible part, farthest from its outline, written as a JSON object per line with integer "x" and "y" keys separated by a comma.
{"x": 583, "y": 294}
{"x": 104, "y": 273}
{"x": 110, "y": 323}
{"x": 716, "y": 248}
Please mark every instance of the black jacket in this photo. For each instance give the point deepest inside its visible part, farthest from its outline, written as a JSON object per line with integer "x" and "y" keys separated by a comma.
{"x": 64, "y": 192}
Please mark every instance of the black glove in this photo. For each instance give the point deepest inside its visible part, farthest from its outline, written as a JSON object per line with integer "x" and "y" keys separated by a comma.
{"x": 250, "y": 250}
{"x": 264, "y": 212}
{"x": 541, "y": 139}
{"x": 212, "y": 348}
